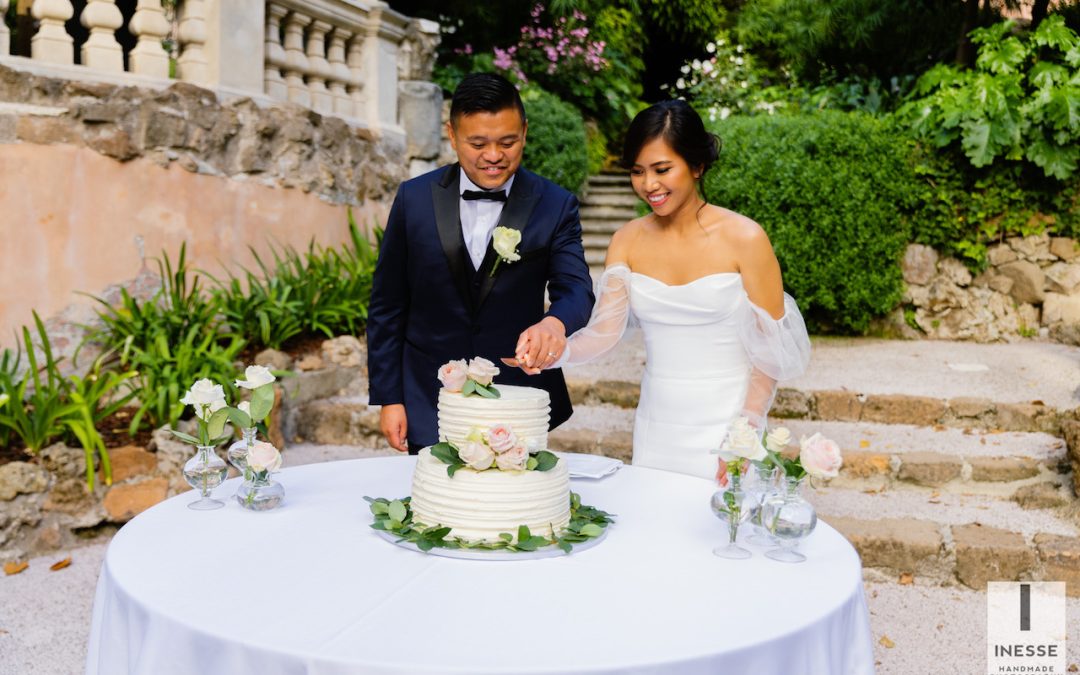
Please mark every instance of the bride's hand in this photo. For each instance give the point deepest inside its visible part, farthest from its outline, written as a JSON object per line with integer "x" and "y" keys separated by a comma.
{"x": 721, "y": 474}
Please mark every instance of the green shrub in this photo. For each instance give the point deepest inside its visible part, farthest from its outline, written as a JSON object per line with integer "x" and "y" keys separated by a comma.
{"x": 39, "y": 405}
{"x": 171, "y": 340}
{"x": 556, "y": 147}
{"x": 832, "y": 190}
{"x": 1020, "y": 102}
{"x": 324, "y": 291}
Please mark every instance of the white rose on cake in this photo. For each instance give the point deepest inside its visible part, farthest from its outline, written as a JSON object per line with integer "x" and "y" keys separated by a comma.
{"x": 482, "y": 371}
{"x": 514, "y": 459}
{"x": 453, "y": 374}
{"x": 476, "y": 455}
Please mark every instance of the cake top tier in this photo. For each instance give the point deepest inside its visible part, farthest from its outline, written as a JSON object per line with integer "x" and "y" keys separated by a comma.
{"x": 510, "y": 396}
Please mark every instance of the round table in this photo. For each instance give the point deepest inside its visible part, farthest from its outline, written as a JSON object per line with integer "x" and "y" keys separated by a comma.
{"x": 310, "y": 588}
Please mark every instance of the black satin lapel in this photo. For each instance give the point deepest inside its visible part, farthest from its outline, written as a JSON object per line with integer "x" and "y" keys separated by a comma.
{"x": 515, "y": 215}
{"x": 444, "y": 197}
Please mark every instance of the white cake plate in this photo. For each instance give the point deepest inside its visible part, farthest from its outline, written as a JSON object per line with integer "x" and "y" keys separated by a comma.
{"x": 497, "y": 554}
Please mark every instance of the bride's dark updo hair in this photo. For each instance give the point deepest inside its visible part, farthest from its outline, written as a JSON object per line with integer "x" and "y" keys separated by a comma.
{"x": 678, "y": 124}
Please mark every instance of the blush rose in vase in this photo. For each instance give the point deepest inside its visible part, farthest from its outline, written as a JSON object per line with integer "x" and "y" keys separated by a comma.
{"x": 785, "y": 514}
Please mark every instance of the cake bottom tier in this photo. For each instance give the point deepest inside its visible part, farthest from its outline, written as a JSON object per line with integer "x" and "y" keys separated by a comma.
{"x": 480, "y": 505}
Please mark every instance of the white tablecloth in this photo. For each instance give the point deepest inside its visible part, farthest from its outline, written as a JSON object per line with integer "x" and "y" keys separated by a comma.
{"x": 310, "y": 588}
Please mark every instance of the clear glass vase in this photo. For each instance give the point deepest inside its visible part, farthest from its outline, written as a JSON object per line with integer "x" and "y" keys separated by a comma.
{"x": 790, "y": 519}
{"x": 732, "y": 505}
{"x": 764, "y": 481}
{"x": 238, "y": 451}
{"x": 259, "y": 491}
{"x": 204, "y": 472}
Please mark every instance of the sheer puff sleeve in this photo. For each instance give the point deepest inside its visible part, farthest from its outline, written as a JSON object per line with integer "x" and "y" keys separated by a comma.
{"x": 778, "y": 349}
{"x": 608, "y": 322}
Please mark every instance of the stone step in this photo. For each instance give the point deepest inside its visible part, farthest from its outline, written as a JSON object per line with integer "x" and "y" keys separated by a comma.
{"x": 592, "y": 190}
{"x": 1030, "y": 469}
{"x": 619, "y": 213}
{"x": 610, "y": 178}
{"x": 607, "y": 227}
{"x": 598, "y": 241}
{"x": 627, "y": 199}
{"x": 970, "y": 539}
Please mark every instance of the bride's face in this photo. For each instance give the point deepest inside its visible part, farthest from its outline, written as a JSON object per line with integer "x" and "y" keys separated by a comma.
{"x": 663, "y": 179}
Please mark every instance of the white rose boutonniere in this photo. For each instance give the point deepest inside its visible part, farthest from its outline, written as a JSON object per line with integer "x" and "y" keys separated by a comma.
{"x": 505, "y": 240}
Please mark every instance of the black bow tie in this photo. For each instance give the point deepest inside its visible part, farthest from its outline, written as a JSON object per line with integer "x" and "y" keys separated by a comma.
{"x": 473, "y": 195}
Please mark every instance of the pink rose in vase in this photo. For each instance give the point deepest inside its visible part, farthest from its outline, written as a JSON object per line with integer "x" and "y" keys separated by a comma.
{"x": 501, "y": 438}
{"x": 514, "y": 459}
{"x": 820, "y": 456}
{"x": 453, "y": 375}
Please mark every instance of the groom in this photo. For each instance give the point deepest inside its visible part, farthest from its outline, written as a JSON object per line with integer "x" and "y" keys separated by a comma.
{"x": 438, "y": 295}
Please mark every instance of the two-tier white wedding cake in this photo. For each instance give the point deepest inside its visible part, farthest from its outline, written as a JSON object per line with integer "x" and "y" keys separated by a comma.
{"x": 497, "y": 484}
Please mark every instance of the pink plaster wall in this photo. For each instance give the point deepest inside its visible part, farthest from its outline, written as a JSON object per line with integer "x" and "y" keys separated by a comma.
{"x": 69, "y": 219}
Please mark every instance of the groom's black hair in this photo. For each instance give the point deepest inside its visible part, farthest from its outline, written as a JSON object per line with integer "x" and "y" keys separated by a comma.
{"x": 484, "y": 92}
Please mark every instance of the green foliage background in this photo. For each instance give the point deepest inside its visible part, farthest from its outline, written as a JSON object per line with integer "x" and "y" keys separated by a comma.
{"x": 556, "y": 146}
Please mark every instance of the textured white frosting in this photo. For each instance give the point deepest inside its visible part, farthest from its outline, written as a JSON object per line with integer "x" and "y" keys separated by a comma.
{"x": 479, "y": 505}
{"x": 525, "y": 409}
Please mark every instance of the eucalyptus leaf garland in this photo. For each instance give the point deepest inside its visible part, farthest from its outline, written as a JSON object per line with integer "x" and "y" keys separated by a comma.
{"x": 395, "y": 516}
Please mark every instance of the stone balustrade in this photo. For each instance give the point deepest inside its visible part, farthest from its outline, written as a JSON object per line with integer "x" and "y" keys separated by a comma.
{"x": 344, "y": 58}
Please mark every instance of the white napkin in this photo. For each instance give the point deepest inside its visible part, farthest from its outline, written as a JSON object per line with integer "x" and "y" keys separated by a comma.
{"x": 589, "y": 466}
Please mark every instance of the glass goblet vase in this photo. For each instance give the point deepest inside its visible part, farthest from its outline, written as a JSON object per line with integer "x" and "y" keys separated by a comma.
{"x": 731, "y": 505}
{"x": 259, "y": 491}
{"x": 764, "y": 481}
{"x": 238, "y": 451}
{"x": 204, "y": 472}
{"x": 790, "y": 519}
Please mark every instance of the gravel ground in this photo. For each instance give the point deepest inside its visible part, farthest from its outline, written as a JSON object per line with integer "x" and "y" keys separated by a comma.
{"x": 1017, "y": 372}
{"x": 950, "y": 509}
{"x": 45, "y": 621}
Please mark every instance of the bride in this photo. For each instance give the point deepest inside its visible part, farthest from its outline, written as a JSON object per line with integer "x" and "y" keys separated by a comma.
{"x": 705, "y": 286}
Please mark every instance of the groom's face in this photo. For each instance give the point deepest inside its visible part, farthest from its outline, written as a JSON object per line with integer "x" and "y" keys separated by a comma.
{"x": 489, "y": 145}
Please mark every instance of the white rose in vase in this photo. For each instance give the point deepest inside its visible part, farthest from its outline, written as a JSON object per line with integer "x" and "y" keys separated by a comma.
{"x": 778, "y": 439}
{"x": 263, "y": 457}
{"x": 742, "y": 442}
{"x": 206, "y": 397}
{"x": 255, "y": 377}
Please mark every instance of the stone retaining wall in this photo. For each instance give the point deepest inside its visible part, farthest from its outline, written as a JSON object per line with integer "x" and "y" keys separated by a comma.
{"x": 1030, "y": 288}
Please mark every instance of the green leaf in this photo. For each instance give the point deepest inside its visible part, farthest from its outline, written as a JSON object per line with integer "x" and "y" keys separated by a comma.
{"x": 216, "y": 424}
{"x": 453, "y": 468}
{"x": 397, "y": 511}
{"x": 531, "y": 464}
{"x": 187, "y": 438}
{"x": 446, "y": 453}
{"x": 380, "y": 508}
{"x": 523, "y": 533}
{"x": 469, "y": 388}
{"x": 506, "y": 536}
{"x": 486, "y": 392}
{"x": 545, "y": 461}
{"x": 262, "y": 401}
{"x": 592, "y": 530}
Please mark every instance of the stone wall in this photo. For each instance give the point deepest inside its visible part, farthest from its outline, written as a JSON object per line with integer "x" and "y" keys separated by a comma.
{"x": 1030, "y": 288}
{"x": 100, "y": 177}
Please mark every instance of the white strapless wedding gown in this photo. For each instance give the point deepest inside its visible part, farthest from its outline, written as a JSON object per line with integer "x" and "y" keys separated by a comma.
{"x": 711, "y": 356}
{"x": 696, "y": 370}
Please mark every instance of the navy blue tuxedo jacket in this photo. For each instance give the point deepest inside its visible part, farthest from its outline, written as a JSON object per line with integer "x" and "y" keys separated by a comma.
{"x": 428, "y": 304}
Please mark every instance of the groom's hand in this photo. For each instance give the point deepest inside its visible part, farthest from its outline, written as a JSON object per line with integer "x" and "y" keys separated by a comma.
{"x": 541, "y": 345}
{"x": 395, "y": 426}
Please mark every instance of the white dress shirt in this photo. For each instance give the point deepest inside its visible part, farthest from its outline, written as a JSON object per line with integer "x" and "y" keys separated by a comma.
{"x": 479, "y": 218}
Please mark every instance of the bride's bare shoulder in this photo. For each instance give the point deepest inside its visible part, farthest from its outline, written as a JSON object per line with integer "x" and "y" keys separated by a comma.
{"x": 623, "y": 241}
{"x": 739, "y": 230}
